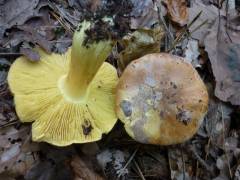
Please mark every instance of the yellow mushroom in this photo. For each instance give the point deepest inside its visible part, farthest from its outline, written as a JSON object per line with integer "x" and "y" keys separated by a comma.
{"x": 161, "y": 99}
{"x": 70, "y": 97}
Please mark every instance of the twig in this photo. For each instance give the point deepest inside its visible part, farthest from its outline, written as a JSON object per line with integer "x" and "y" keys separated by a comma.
{"x": 201, "y": 161}
{"x": 162, "y": 21}
{"x": 170, "y": 165}
{"x": 10, "y": 54}
{"x": 196, "y": 177}
{"x": 224, "y": 145}
{"x": 199, "y": 26}
{"x": 61, "y": 21}
{"x": 8, "y": 124}
{"x": 185, "y": 31}
{"x": 183, "y": 163}
{"x": 128, "y": 162}
{"x": 139, "y": 170}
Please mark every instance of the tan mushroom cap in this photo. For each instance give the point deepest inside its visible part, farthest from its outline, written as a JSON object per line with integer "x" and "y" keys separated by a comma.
{"x": 161, "y": 99}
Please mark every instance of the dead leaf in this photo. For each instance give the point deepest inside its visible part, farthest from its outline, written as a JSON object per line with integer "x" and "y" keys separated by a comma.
{"x": 112, "y": 161}
{"x": 180, "y": 164}
{"x": 223, "y": 47}
{"x": 217, "y": 122}
{"x": 139, "y": 43}
{"x": 54, "y": 164}
{"x": 83, "y": 171}
{"x": 17, "y": 150}
{"x": 153, "y": 156}
{"x": 143, "y": 15}
{"x": 17, "y": 12}
{"x": 237, "y": 173}
{"x": 178, "y": 11}
{"x": 30, "y": 54}
{"x": 36, "y": 30}
{"x": 192, "y": 53}
{"x": 209, "y": 13}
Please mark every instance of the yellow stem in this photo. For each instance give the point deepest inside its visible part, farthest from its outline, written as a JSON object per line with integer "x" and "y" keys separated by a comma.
{"x": 85, "y": 63}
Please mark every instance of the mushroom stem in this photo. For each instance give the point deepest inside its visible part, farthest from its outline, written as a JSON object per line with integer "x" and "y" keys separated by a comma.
{"x": 85, "y": 63}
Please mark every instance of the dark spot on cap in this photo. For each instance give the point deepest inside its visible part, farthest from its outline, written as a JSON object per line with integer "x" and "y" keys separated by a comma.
{"x": 161, "y": 114}
{"x": 200, "y": 101}
{"x": 86, "y": 127}
{"x": 126, "y": 108}
{"x": 175, "y": 86}
{"x": 99, "y": 86}
{"x": 184, "y": 116}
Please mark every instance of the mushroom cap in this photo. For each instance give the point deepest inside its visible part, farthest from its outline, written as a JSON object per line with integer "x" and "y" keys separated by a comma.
{"x": 161, "y": 99}
{"x": 57, "y": 120}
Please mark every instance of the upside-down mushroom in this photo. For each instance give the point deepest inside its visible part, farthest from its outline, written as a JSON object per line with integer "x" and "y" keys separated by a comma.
{"x": 161, "y": 99}
{"x": 69, "y": 97}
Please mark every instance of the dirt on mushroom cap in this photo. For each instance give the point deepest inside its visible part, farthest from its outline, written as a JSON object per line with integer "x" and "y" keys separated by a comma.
{"x": 161, "y": 99}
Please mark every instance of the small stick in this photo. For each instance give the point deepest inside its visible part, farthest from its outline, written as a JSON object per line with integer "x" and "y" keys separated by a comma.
{"x": 201, "y": 161}
{"x": 139, "y": 170}
{"x": 224, "y": 145}
{"x": 10, "y": 54}
{"x": 183, "y": 162}
{"x": 128, "y": 162}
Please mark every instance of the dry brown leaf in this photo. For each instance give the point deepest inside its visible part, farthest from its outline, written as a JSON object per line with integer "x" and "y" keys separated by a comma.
{"x": 178, "y": 11}
{"x": 223, "y": 47}
{"x": 83, "y": 171}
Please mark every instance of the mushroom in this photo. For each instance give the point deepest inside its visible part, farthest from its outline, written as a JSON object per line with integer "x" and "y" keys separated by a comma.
{"x": 70, "y": 97}
{"x": 161, "y": 99}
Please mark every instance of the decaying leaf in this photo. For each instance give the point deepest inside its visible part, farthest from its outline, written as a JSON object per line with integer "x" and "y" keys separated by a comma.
{"x": 17, "y": 151}
{"x": 192, "y": 53}
{"x": 178, "y": 11}
{"x": 37, "y": 29}
{"x": 30, "y": 54}
{"x": 180, "y": 164}
{"x": 223, "y": 47}
{"x": 54, "y": 164}
{"x": 83, "y": 171}
{"x": 161, "y": 166}
{"x": 112, "y": 162}
{"x": 139, "y": 43}
{"x": 209, "y": 14}
{"x": 144, "y": 14}
{"x": 217, "y": 122}
{"x": 237, "y": 173}
{"x": 17, "y": 12}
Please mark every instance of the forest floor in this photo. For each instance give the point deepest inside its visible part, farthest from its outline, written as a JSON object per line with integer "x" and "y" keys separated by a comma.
{"x": 205, "y": 32}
